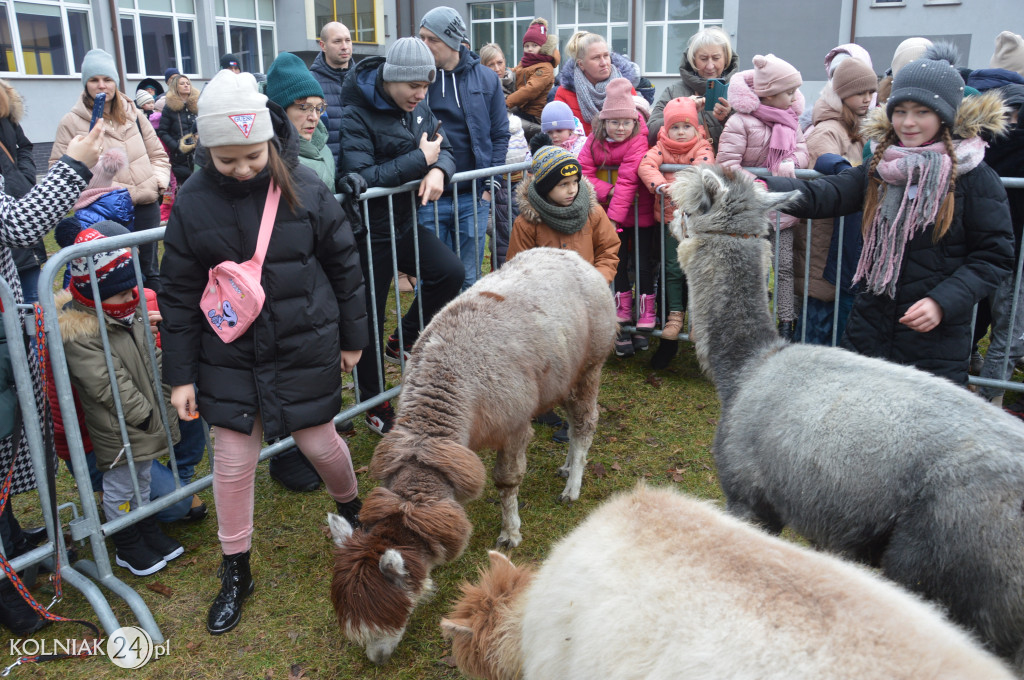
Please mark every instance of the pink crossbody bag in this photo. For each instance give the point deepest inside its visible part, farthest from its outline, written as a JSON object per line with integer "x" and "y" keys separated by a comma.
{"x": 234, "y": 296}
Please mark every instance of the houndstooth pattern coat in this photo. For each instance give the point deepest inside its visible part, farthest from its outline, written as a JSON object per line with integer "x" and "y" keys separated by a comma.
{"x": 22, "y": 222}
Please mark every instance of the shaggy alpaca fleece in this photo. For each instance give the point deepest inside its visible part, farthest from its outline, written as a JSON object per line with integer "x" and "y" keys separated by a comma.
{"x": 661, "y": 586}
{"x": 523, "y": 339}
{"x": 882, "y": 463}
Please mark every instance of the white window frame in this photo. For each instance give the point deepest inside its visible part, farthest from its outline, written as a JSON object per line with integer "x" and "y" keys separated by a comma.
{"x": 517, "y": 39}
{"x": 672, "y": 69}
{"x": 135, "y": 15}
{"x": 572, "y": 25}
{"x": 224, "y": 23}
{"x": 19, "y": 56}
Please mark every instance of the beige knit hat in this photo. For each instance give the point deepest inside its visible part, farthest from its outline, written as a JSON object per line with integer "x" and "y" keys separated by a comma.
{"x": 853, "y": 76}
{"x": 232, "y": 111}
{"x": 1009, "y": 52}
{"x": 907, "y": 51}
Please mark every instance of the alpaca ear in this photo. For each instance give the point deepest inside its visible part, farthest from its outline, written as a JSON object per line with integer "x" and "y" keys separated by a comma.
{"x": 341, "y": 530}
{"x": 776, "y": 200}
{"x": 450, "y": 628}
{"x": 498, "y": 559}
{"x": 392, "y": 565}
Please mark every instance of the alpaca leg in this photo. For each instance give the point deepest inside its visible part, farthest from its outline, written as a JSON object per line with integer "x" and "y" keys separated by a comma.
{"x": 508, "y": 475}
{"x": 582, "y": 407}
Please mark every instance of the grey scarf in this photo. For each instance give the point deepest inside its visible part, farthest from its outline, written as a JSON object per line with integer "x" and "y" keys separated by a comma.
{"x": 590, "y": 96}
{"x": 564, "y": 220}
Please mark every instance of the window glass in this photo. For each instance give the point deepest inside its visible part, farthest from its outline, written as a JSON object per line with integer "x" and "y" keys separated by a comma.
{"x": 678, "y": 36}
{"x": 482, "y": 35}
{"x": 187, "y": 42}
{"x": 620, "y": 39}
{"x": 266, "y": 9}
{"x": 503, "y": 10}
{"x": 131, "y": 54}
{"x": 364, "y": 31}
{"x": 323, "y": 13}
{"x": 479, "y": 11}
{"x": 683, "y": 10}
{"x": 242, "y": 9}
{"x": 714, "y": 9}
{"x": 185, "y": 6}
{"x": 221, "y": 11}
{"x": 7, "y": 60}
{"x": 267, "y": 40}
{"x": 243, "y": 45}
{"x": 126, "y": 4}
{"x": 78, "y": 29}
{"x": 42, "y": 39}
{"x": 654, "y": 10}
{"x": 653, "y": 44}
{"x": 592, "y": 10}
{"x": 566, "y": 11}
{"x": 156, "y": 5}
{"x": 157, "y": 35}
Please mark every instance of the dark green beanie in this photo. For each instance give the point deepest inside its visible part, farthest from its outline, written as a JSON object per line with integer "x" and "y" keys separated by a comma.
{"x": 289, "y": 79}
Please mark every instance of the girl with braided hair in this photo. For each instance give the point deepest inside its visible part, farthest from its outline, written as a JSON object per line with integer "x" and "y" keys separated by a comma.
{"x": 936, "y": 223}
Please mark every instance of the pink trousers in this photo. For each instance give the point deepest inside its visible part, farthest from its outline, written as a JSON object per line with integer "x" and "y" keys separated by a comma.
{"x": 234, "y": 476}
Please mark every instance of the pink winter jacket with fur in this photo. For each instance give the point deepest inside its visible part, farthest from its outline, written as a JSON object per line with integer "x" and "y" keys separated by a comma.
{"x": 626, "y": 156}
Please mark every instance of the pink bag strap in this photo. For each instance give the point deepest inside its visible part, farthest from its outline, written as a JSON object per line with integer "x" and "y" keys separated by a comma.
{"x": 267, "y": 223}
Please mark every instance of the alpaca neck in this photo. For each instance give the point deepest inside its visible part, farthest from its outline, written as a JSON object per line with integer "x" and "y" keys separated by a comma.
{"x": 729, "y": 308}
{"x": 433, "y": 409}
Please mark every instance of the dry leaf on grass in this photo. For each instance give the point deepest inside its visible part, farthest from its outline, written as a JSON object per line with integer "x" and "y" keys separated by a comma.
{"x": 616, "y": 467}
{"x": 296, "y": 672}
{"x": 160, "y": 588}
{"x": 653, "y": 380}
{"x": 293, "y": 635}
{"x": 598, "y": 470}
{"x": 362, "y": 470}
{"x": 193, "y": 646}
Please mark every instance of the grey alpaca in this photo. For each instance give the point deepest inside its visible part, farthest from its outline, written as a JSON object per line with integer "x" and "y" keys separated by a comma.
{"x": 881, "y": 463}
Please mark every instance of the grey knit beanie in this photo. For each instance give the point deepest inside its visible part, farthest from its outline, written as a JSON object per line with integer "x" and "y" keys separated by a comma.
{"x": 408, "y": 60}
{"x": 97, "y": 62}
{"x": 232, "y": 111}
{"x": 446, "y": 24}
{"x": 931, "y": 81}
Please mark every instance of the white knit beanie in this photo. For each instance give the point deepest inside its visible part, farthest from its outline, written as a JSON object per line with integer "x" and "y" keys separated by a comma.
{"x": 232, "y": 111}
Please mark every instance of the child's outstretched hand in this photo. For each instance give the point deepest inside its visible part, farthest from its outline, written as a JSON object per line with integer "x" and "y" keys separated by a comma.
{"x": 923, "y": 316}
{"x": 183, "y": 399}
{"x": 87, "y": 149}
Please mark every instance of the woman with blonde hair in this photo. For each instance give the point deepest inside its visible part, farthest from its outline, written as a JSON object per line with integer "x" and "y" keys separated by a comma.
{"x": 587, "y": 70}
{"x": 177, "y": 126}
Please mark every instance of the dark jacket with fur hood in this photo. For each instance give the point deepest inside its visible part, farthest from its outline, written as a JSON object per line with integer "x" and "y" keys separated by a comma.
{"x": 176, "y": 125}
{"x": 597, "y": 242}
{"x": 83, "y": 347}
{"x": 964, "y": 266}
{"x": 286, "y": 367}
{"x": 18, "y": 169}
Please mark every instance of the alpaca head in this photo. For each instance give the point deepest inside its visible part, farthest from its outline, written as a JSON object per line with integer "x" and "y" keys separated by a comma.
{"x": 382, "y": 571}
{"x": 712, "y": 199}
{"x": 484, "y": 625}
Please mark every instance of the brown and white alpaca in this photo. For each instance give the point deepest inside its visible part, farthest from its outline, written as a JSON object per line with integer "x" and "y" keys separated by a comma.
{"x": 654, "y": 584}
{"x": 523, "y": 339}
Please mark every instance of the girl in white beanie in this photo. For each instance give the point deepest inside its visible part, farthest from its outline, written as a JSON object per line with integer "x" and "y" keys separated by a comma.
{"x": 283, "y": 376}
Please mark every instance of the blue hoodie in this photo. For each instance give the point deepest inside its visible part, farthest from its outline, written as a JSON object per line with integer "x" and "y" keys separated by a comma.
{"x": 470, "y": 104}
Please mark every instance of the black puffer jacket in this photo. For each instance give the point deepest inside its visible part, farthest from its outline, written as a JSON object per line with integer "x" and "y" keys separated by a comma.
{"x": 331, "y": 81}
{"x": 381, "y": 142}
{"x": 176, "y": 123}
{"x": 963, "y": 267}
{"x": 18, "y": 169}
{"x": 287, "y": 365}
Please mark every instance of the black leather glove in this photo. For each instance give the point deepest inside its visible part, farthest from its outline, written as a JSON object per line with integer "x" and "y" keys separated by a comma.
{"x": 352, "y": 185}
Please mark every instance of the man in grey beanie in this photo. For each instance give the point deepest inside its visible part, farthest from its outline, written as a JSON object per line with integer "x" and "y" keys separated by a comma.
{"x": 467, "y": 98}
{"x": 389, "y": 139}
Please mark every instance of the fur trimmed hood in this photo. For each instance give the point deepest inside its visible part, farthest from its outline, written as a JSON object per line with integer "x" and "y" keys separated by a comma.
{"x": 176, "y": 103}
{"x": 75, "y": 320}
{"x": 982, "y": 113}
{"x": 530, "y": 214}
{"x": 11, "y": 104}
{"x": 743, "y": 99}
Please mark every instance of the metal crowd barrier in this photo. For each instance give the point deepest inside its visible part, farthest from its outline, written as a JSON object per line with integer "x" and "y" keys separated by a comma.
{"x": 90, "y": 525}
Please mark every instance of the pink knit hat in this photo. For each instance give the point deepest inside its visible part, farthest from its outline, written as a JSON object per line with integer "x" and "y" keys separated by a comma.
{"x": 773, "y": 75}
{"x": 618, "y": 101}
{"x": 682, "y": 110}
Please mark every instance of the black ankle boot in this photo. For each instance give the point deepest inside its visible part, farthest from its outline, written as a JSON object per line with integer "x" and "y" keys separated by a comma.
{"x": 236, "y": 584}
{"x": 787, "y": 329}
{"x": 350, "y": 511}
{"x": 663, "y": 356}
{"x": 16, "y": 614}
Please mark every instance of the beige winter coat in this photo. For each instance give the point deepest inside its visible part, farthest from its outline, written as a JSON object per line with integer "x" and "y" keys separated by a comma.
{"x": 148, "y": 171}
{"x": 828, "y": 135}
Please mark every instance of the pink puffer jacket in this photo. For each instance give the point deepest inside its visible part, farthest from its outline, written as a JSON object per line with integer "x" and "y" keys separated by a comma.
{"x": 626, "y": 156}
{"x": 744, "y": 141}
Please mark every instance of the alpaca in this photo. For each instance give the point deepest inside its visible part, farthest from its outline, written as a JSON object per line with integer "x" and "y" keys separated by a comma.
{"x": 531, "y": 335}
{"x": 654, "y": 584}
{"x": 879, "y": 462}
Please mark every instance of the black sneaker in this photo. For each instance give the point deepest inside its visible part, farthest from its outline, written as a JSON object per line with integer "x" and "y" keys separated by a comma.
{"x": 291, "y": 470}
{"x": 381, "y": 418}
{"x": 624, "y": 345}
{"x": 391, "y": 350}
{"x": 350, "y": 511}
{"x": 551, "y": 419}
{"x": 562, "y": 435}
{"x": 640, "y": 342}
{"x": 160, "y": 543}
{"x": 134, "y": 554}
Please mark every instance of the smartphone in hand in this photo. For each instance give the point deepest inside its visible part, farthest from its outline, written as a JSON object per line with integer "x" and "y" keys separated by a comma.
{"x": 437, "y": 127}
{"x": 716, "y": 87}
{"x": 97, "y": 109}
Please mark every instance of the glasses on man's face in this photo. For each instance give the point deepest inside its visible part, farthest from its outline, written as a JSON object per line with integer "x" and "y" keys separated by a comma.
{"x": 624, "y": 124}
{"x": 318, "y": 109}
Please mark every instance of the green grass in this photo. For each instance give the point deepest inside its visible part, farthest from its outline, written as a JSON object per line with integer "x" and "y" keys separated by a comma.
{"x": 656, "y": 427}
